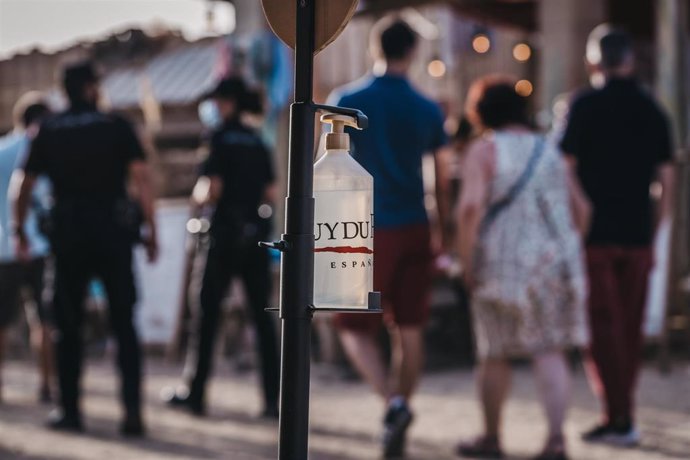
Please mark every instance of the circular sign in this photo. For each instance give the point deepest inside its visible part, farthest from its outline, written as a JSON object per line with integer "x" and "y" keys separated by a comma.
{"x": 331, "y": 17}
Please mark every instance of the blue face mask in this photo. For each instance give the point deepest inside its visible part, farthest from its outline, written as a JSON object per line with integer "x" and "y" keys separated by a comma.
{"x": 209, "y": 114}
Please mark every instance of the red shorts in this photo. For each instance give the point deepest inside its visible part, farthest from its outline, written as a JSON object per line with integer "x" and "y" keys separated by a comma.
{"x": 402, "y": 273}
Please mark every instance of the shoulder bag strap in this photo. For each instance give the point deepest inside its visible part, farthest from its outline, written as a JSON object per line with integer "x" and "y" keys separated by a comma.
{"x": 519, "y": 185}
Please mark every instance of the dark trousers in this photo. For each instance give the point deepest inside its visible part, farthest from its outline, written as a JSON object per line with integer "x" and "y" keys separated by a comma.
{"x": 618, "y": 290}
{"x": 224, "y": 260}
{"x": 75, "y": 266}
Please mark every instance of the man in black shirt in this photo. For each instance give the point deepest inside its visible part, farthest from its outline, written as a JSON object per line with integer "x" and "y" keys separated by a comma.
{"x": 617, "y": 142}
{"x": 89, "y": 156}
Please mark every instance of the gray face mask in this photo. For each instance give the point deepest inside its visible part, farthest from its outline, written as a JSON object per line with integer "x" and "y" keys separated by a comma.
{"x": 209, "y": 114}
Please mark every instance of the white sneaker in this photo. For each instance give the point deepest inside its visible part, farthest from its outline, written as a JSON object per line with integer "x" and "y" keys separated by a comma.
{"x": 630, "y": 438}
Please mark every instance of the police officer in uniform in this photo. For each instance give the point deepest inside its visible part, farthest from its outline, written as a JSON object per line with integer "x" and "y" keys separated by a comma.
{"x": 238, "y": 178}
{"x": 89, "y": 156}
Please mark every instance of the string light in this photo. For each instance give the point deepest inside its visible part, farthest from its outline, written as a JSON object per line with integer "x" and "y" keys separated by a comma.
{"x": 524, "y": 88}
{"x": 436, "y": 68}
{"x": 481, "y": 43}
{"x": 522, "y": 52}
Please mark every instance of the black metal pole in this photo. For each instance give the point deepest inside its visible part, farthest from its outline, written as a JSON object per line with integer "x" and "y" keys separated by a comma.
{"x": 297, "y": 262}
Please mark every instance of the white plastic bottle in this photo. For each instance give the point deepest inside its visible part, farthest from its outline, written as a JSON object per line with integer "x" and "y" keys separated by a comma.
{"x": 343, "y": 223}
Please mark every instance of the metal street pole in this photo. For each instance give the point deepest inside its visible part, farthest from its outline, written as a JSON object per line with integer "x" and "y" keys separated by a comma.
{"x": 672, "y": 90}
{"x": 297, "y": 262}
{"x": 297, "y": 243}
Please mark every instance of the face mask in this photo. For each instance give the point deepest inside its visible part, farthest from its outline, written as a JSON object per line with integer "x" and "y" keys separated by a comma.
{"x": 209, "y": 114}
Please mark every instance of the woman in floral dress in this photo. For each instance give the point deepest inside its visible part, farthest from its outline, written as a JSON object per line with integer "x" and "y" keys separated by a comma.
{"x": 519, "y": 216}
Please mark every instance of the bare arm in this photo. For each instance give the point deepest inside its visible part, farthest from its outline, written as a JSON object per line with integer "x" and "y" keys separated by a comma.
{"x": 141, "y": 177}
{"x": 666, "y": 175}
{"x": 215, "y": 189}
{"x": 580, "y": 206}
{"x": 21, "y": 186}
{"x": 472, "y": 207}
{"x": 271, "y": 194}
{"x": 207, "y": 190}
{"x": 442, "y": 185}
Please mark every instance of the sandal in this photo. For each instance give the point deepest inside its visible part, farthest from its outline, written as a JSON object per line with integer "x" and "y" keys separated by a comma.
{"x": 553, "y": 455}
{"x": 554, "y": 450}
{"x": 483, "y": 447}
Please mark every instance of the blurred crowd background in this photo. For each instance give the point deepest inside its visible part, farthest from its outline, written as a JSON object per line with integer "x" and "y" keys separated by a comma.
{"x": 155, "y": 72}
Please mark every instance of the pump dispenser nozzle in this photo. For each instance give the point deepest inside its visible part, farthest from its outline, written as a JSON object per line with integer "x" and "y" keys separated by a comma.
{"x": 337, "y": 139}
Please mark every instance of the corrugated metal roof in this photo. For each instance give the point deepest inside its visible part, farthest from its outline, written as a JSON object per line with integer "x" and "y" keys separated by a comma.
{"x": 121, "y": 88}
{"x": 178, "y": 76}
{"x": 184, "y": 75}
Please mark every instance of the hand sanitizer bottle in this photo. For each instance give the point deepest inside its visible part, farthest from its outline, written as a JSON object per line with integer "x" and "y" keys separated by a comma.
{"x": 343, "y": 223}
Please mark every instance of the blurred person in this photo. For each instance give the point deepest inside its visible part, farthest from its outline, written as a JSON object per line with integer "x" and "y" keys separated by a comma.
{"x": 464, "y": 134}
{"x": 617, "y": 141}
{"x": 17, "y": 275}
{"x": 522, "y": 260}
{"x": 559, "y": 119}
{"x": 404, "y": 126}
{"x": 238, "y": 178}
{"x": 460, "y": 142}
{"x": 89, "y": 155}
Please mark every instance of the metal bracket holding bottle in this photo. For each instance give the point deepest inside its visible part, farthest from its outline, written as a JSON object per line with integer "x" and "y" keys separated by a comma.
{"x": 374, "y": 306}
{"x": 373, "y": 301}
{"x": 281, "y": 245}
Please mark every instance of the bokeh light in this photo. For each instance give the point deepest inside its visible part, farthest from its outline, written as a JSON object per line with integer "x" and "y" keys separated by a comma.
{"x": 524, "y": 88}
{"x": 265, "y": 211}
{"x": 522, "y": 52}
{"x": 481, "y": 43}
{"x": 436, "y": 68}
{"x": 194, "y": 226}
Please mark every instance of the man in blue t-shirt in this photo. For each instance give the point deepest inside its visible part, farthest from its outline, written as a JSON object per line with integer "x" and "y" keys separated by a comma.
{"x": 403, "y": 126}
{"x": 16, "y": 274}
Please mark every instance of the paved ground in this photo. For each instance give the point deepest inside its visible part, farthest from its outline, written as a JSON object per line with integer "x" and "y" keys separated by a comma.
{"x": 344, "y": 416}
